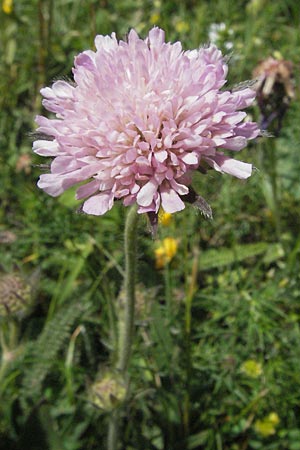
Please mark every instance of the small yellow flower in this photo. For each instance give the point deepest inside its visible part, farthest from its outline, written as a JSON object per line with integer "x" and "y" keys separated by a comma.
{"x": 257, "y": 41}
{"x": 267, "y": 426}
{"x": 160, "y": 259}
{"x": 251, "y": 368}
{"x": 274, "y": 418}
{"x": 182, "y": 27}
{"x": 164, "y": 218}
{"x": 154, "y": 18}
{"x": 277, "y": 55}
{"x": 284, "y": 282}
{"x": 170, "y": 246}
{"x": 7, "y": 6}
{"x": 165, "y": 252}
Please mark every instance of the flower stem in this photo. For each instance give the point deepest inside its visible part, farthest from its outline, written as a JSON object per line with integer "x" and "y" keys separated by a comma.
{"x": 126, "y": 331}
{"x": 126, "y": 321}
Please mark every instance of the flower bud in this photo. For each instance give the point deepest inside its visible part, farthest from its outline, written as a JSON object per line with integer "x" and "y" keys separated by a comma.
{"x": 109, "y": 392}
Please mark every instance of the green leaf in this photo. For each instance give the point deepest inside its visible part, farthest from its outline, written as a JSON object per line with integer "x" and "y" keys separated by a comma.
{"x": 221, "y": 257}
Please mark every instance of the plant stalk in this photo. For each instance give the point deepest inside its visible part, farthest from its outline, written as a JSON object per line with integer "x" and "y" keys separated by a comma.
{"x": 126, "y": 320}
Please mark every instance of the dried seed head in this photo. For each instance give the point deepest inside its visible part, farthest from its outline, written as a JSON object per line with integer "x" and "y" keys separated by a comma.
{"x": 15, "y": 296}
{"x": 23, "y": 164}
{"x": 272, "y": 72}
{"x": 7, "y": 237}
{"x": 275, "y": 90}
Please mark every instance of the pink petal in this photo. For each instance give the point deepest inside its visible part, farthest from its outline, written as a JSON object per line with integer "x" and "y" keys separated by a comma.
{"x": 146, "y": 194}
{"x": 54, "y": 184}
{"x": 248, "y": 129}
{"x": 234, "y": 118}
{"x": 64, "y": 164}
{"x": 190, "y": 158}
{"x": 170, "y": 200}
{"x": 156, "y": 36}
{"x": 47, "y": 93}
{"x": 98, "y": 205}
{"x": 87, "y": 189}
{"x": 85, "y": 60}
{"x": 224, "y": 164}
{"x": 243, "y": 97}
{"x": 181, "y": 189}
{"x": 106, "y": 42}
{"x": 236, "y": 143}
{"x": 46, "y": 148}
{"x": 60, "y": 89}
{"x": 131, "y": 155}
{"x": 161, "y": 155}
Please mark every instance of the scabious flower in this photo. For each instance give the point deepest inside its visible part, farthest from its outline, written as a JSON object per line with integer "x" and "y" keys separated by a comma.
{"x": 140, "y": 118}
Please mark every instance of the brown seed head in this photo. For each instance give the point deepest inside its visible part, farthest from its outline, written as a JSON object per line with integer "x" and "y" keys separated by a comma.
{"x": 15, "y": 296}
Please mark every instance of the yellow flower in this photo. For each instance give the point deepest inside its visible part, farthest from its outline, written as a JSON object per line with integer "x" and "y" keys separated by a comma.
{"x": 284, "y": 282}
{"x": 165, "y": 252}
{"x": 164, "y": 218}
{"x": 267, "y": 426}
{"x": 154, "y": 18}
{"x": 251, "y": 368}
{"x": 277, "y": 55}
{"x": 182, "y": 27}
{"x": 7, "y": 6}
{"x": 274, "y": 418}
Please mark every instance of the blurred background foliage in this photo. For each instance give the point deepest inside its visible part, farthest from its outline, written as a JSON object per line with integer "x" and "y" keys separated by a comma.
{"x": 216, "y": 360}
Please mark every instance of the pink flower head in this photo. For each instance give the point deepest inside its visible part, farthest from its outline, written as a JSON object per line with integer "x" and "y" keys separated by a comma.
{"x": 140, "y": 118}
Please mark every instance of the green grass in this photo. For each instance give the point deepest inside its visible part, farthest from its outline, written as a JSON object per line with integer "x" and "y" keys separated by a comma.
{"x": 231, "y": 293}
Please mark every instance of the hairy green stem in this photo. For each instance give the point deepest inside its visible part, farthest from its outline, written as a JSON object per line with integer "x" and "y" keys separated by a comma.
{"x": 126, "y": 321}
{"x": 126, "y": 325}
